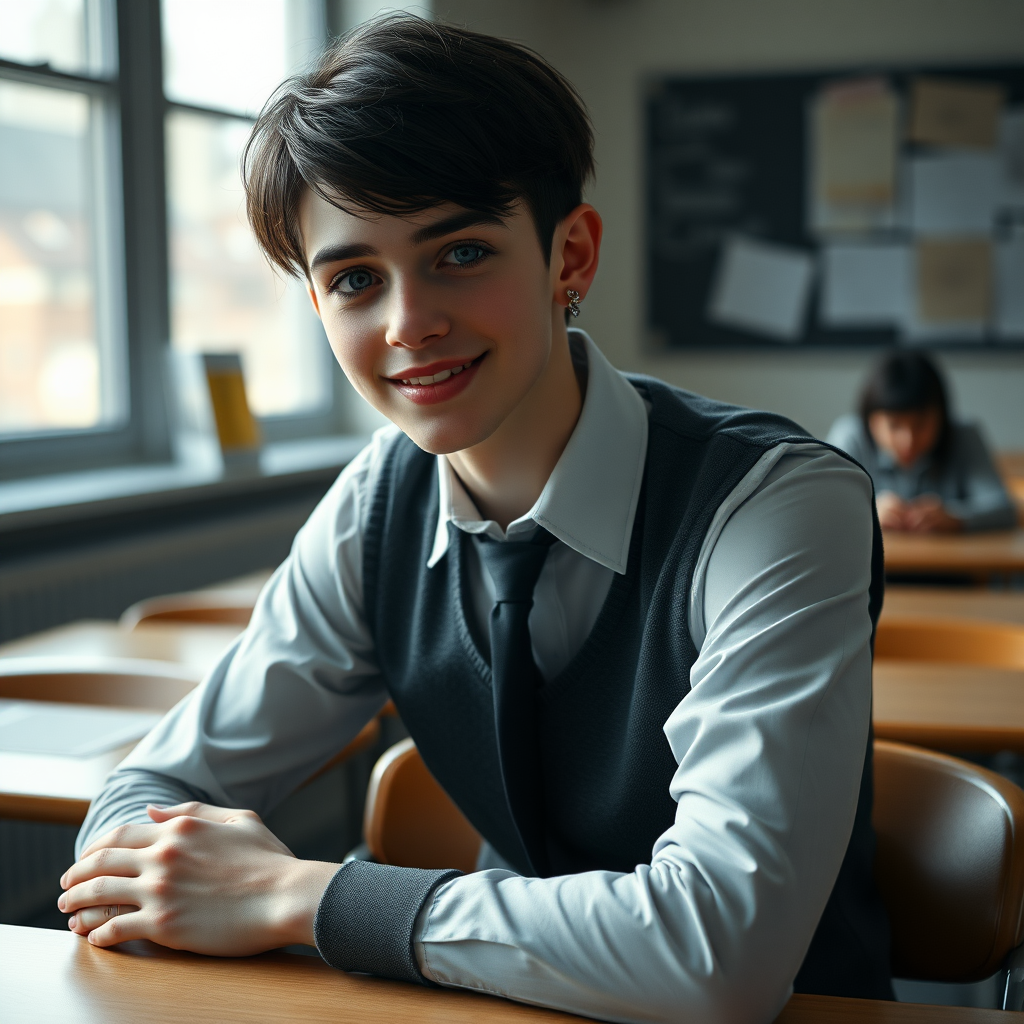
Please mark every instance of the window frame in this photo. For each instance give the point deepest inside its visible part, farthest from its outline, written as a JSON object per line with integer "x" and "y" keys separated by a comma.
{"x": 139, "y": 290}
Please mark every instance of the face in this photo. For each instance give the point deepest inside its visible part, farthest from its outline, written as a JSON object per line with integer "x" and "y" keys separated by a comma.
{"x": 443, "y": 320}
{"x": 906, "y": 436}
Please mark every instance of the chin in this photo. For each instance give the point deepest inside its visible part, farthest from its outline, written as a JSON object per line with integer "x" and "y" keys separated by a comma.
{"x": 446, "y": 438}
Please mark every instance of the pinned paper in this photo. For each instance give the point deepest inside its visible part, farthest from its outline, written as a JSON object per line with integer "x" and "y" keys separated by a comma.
{"x": 855, "y": 138}
{"x": 763, "y": 288}
{"x": 1009, "y": 317}
{"x": 954, "y": 193}
{"x": 954, "y": 280}
{"x": 956, "y": 113}
{"x": 865, "y": 285}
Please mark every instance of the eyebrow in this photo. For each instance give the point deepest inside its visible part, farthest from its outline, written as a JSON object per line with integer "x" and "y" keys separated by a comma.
{"x": 456, "y": 222}
{"x": 359, "y": 250}
{"x": 335, "y": 253}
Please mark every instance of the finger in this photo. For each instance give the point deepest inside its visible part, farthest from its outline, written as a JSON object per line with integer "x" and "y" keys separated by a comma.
{"x": 111, "y": 860}
{"x": 89, "y": 918}
{"x": 195, "y": 809}
{"x": 132, "y": 837}
{"x": 121, "y": 929}
{"x": 100, "y": 892}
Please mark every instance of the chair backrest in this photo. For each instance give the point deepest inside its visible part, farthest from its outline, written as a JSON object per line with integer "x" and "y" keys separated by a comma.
{"x": 410, "y": 821}
{"x": 117, "y": 682}
{"x": 950, "y": 863}
{"x": 227, "y": 609}
{"x": 964, "y": 642}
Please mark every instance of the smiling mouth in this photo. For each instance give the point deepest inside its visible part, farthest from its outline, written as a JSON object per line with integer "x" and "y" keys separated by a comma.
{"x": 435, "y": 378}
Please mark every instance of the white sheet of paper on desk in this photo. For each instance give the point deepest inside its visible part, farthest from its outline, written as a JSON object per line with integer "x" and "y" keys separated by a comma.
{"x": 1009, "y": 316}
{"x": 69, "y": 730}
{"x": 954, "y": 193}
{"x": 1011, "y": 155}
{"x": 865, "y": 285}
{"x": 762, "y": 288}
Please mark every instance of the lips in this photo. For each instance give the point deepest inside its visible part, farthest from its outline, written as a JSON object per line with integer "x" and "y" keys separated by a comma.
{"x": 437, "y": 382}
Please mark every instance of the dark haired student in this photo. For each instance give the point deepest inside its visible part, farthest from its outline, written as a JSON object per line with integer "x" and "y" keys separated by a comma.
{"x": 629, "y": 628}
{"x": 931, "y": 473}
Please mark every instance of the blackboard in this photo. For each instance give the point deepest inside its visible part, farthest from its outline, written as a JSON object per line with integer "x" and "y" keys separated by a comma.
{"x": 728, "y": 155}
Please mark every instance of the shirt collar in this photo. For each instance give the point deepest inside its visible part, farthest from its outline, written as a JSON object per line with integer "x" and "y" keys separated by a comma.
{"x": 590, "y": 499}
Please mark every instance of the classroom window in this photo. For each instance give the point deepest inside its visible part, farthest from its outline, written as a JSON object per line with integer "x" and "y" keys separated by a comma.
{"x": 61, "y": 350}
{"x": 224, "y": 296}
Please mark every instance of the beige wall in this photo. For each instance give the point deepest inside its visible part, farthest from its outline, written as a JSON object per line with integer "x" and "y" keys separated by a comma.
{"x": 607, "y": 48}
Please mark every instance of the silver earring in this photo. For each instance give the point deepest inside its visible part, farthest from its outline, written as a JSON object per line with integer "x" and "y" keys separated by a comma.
{"x": 574, "y": 302}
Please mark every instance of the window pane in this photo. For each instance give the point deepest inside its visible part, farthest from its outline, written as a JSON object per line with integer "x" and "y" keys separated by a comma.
{"x": 224, "y": 295}
{"x": 232, "y": 54}
{"x": 66, "y": 34}
{"x": 51, "y": 370}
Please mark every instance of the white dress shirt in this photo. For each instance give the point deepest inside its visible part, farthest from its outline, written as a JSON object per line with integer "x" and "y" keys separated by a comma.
{"x": 769, "y": 742}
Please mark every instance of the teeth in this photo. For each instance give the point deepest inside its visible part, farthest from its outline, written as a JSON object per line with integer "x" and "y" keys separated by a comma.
{"x": 438, "y": 377}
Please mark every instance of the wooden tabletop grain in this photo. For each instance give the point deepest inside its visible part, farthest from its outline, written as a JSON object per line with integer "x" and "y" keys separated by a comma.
{"x": 51, "y": 976}
{"x": 949, "y": 707}
{"x": 996, "y": 553}
{"x": 975, "y": 603}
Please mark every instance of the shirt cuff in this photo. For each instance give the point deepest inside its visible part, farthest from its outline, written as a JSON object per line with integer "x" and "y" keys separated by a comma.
{"x": 367, "y": 916}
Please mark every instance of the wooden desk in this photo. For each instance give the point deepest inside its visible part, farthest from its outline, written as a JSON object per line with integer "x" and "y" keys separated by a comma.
{"x": 949, "y": 707}
{"x": 978, "y": 554}
{"x": 196, "y": 647}
{"x": 904, "y": 602}
{"x": 51, "y": 976}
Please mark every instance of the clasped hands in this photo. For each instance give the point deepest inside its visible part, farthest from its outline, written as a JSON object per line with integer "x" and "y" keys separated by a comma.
{"x": 208, "y": 879}
{"x": 926, "y": 514}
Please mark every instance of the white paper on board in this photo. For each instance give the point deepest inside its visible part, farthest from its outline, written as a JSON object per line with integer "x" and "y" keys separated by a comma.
{"x": 1009, "y": 316}
{"x": 762, "y": 288}
{"x": 865, "y": 285}
{"x": 954, "y": 193}
{"x": 1011, "y": 154}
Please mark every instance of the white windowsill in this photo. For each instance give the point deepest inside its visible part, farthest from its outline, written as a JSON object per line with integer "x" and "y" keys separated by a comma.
{"x": 39, "y": 500}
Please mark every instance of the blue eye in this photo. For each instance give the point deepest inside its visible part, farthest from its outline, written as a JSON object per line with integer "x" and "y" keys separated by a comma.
{"x": 463, "y": 255}
{"x": 355, "y": 281}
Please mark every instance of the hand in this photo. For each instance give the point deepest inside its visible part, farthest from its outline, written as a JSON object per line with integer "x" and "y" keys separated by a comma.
{"x": 927, "y": 514}
{"x": 207, "y": 879}
{"x": 892, "y": 511}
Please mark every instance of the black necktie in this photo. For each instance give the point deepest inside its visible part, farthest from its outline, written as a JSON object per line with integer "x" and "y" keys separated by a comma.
{"x": 514, "y": 567}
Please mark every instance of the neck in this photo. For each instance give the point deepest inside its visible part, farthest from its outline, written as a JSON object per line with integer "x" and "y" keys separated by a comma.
{"x": 506, "y": 473}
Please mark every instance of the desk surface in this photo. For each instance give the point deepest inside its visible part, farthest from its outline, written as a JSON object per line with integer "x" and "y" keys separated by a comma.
{"x": 198, "y": 647}
{"x": 980, "y": 553}
{"x": 51, "y": 976}
{"x": 902, "y": 602}
{"x": 949, "y": 707}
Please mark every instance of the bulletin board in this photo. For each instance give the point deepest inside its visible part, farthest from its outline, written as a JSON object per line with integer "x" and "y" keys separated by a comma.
{"x": 840, "y": 209}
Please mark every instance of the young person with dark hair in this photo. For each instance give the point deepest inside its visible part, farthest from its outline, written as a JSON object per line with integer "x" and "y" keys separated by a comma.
{"x": 629, "y": 628}
{"x": 931, "y": 473}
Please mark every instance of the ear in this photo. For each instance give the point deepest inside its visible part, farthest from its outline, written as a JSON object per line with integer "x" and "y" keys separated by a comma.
{"x": 575, "y": 249}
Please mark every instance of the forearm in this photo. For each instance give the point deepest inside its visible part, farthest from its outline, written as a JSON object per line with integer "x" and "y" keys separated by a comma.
{"x": 123, "y": 801}
{"x": 993, "y": 514}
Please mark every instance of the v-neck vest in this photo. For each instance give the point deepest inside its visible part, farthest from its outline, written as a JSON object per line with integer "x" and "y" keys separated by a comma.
{"x": 606, "y": 763}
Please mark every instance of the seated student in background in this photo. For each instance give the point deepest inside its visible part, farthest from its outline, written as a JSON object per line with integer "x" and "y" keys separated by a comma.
{"x": 931, "y": 473}
{"x": 629, "y": 628}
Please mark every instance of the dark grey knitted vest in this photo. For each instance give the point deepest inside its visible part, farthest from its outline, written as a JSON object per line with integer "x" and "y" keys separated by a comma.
{"x": 606, "y": 763}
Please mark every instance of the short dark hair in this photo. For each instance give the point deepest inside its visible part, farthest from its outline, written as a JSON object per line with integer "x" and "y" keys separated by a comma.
{"x": 907, "y": 382}
{"x": 403, "y": 114}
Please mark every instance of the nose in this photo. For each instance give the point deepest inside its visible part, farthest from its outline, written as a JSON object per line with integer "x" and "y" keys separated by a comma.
{"x": 413, "y": 319}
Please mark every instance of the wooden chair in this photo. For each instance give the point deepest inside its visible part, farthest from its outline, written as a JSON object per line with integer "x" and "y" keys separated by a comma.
{"x": 964, "y": 642}
{"x": 950, "y": 860}
{"x": 950, "y": 867}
